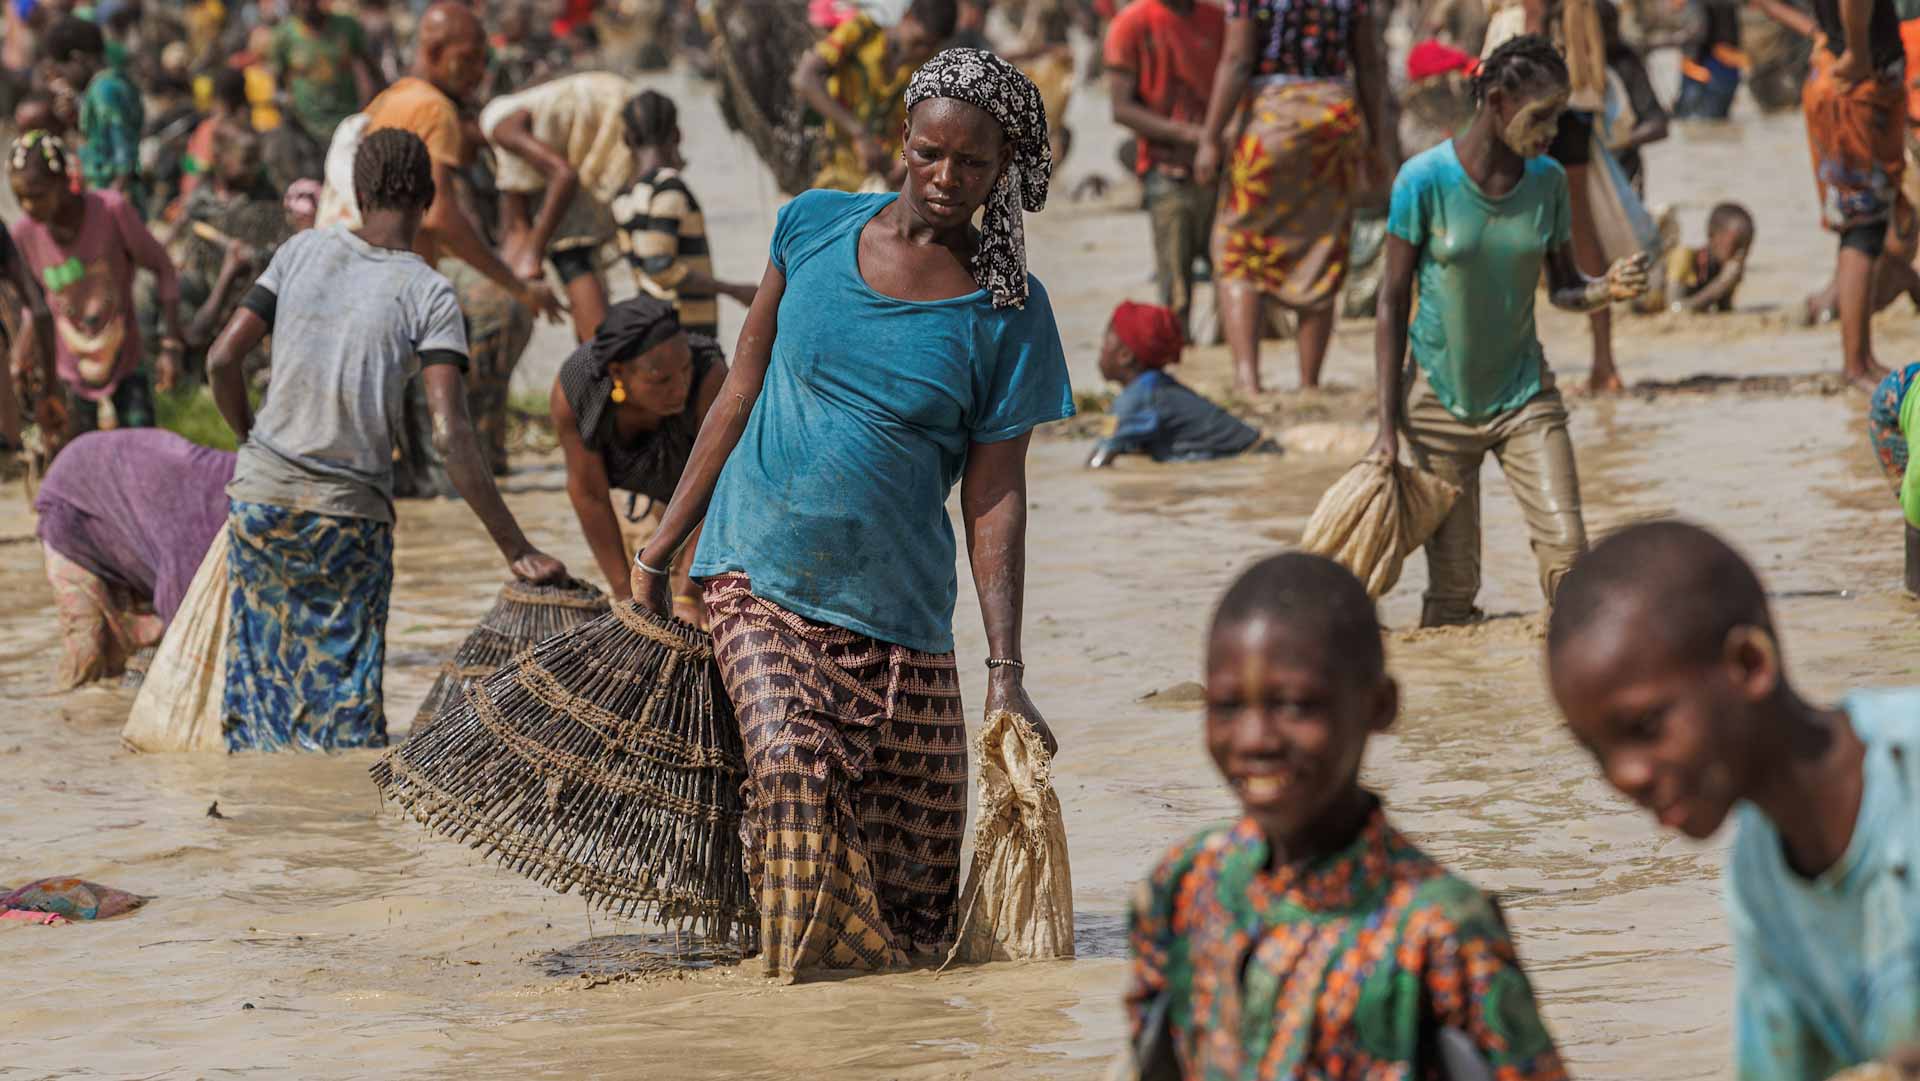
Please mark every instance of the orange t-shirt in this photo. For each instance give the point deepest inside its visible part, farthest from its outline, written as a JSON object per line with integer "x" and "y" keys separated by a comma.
{"x": 1172, "y": 57}
{"x": 418, "y": 106}
{"x": 1910, "y": 37}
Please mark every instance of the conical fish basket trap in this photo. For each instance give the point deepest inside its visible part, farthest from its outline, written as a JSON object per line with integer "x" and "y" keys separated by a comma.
{"x": 756, "y": 47}
{"x": 607, "y": 760}
{"x": 523, "y": 616}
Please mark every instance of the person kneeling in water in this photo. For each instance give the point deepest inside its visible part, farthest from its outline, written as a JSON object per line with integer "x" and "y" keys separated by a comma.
{"x": 1155, "y": 413}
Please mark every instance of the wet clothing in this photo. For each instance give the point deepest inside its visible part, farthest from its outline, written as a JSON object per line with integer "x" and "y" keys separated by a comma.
{"x": 352, "y": 324}
{"x": 1172, "y": 57}
{"x": 1343, "y": 968}
{"x": 112, "y": 119}
{"x": 1893, "y": 423}
{"x": 89, "y": 287}
{"x": 1688, "y": 271}
{"x": 1474, "y": 334}
{"x": 1181, "y": 212}
{"x": 857, "y": 378}
{"x": 578, "y": 116}
{"x": 1536, "y": 454}
{"x": 1286, "y": 210}
{"x": 862, "y": 78}
{"x": 1711, "y": 72}
{"x": 663, "y": 233}
{"x": 138, "y": 508}
{"x": 1827, "y": 969}
{"x": 856, "y": 788}
{"x": 1159, "y": 416}
{"x": 316, "y": 67}
{"x": 1302, "y": 39}
{"x": 1858, "y": 139}
{"x": 306, "y": 629}
{"x": 647, "y": 462}
{"x": 124, "y": 519}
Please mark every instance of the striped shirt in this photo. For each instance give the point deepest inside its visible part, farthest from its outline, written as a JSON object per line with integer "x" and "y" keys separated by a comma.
{"x": 664, "y": 236}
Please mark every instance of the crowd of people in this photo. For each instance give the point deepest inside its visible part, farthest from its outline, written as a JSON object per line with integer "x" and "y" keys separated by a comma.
{"x": 353, "y": 222}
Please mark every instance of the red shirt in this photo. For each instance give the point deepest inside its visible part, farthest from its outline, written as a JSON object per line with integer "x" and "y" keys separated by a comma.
{"x": 1172, "y": 57}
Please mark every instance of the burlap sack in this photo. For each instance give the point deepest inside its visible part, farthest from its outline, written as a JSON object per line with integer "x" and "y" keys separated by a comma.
{"x": 1374, "y": 516}
{"x": 180, "y": 705}
{"x": 1018, "y": 902}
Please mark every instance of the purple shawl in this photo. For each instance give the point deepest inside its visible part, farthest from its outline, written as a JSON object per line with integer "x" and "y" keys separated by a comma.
{"x": 137, "y": 506}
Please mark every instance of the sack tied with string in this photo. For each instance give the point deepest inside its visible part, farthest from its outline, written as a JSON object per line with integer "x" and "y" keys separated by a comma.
{"x": 1018, "y": 902}
{"x": 1374, "y": 516}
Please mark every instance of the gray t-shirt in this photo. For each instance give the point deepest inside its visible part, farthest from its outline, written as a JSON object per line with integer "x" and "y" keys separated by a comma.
{"x": 351, "y": 323}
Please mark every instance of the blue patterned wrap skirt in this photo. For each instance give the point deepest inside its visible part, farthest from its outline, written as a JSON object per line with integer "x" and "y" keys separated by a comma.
{"x": 307, "y": 629}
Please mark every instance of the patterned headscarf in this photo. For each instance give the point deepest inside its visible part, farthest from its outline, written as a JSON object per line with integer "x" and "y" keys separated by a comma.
{"x": 985, "y": 81}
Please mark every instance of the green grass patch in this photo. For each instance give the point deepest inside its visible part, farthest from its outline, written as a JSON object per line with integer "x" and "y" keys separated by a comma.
{"x": 190, "y": 412}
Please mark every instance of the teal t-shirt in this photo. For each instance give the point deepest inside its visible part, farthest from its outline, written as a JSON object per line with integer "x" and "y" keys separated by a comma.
{"x": 835, "y": 500}
{"x": 1478, "y": 269}
{"x": 1827, "y": 970}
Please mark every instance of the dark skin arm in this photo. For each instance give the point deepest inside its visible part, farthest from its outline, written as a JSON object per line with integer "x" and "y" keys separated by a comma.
{"x": 1229, "y": 86}
{"x": 514, "y": 135}
{"x": 809, "y": 83}
{"x": 1123, "y": 94}
{"x": 1794, "y": 19}
{"x": 1370, "y": 87}
{"x": 34, "y": 348}
{"x": 1720, "y": 288}
{"x": 1856, "y": 62}
{"x": 720, "y": 432}
{"x": 235, "y": 273}
{"x": 993, "y": 507}
{"x": 243, "y": 332}
{"x": 454, "y": 438}
{"x": 449, "y": 228}
{"x": 1651, "y": 128}
{"x": 1571, "y": 291}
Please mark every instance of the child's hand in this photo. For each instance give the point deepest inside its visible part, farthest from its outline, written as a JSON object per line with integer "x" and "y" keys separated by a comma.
{"x": 1627, "y": 278}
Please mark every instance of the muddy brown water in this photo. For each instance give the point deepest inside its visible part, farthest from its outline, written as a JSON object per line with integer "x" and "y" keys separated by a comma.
{"x": 367, "y": 948}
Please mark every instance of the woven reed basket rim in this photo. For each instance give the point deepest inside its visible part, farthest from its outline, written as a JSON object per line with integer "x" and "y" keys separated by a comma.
{"x": 572, "y": 593}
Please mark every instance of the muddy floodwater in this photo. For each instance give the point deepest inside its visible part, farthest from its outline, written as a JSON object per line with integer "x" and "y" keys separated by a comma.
{"x": 310, "y": 932}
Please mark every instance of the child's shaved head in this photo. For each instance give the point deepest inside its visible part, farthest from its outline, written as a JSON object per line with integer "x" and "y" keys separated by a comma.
{"x": 1730, "y": 216}
{"x": 1684, "y": 587}
{"x": 1315, "y": 596}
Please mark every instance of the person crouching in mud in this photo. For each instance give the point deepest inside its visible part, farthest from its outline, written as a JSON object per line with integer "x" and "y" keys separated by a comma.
{"x": 885, "y": 329}
{"x": 1474, "y": 219}
{"x": 1156, "y": 414}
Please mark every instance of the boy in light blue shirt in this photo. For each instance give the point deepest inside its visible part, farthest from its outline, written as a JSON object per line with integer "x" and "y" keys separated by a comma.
{"x": 1663, "y": 656}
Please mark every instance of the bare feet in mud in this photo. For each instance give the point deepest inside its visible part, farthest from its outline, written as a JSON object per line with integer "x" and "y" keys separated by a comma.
{"x": 1868, "y": 380}
{"x": 1607, "y": 382}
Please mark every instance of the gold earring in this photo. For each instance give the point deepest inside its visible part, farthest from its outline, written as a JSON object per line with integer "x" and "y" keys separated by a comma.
{"x": 619, "y": 394}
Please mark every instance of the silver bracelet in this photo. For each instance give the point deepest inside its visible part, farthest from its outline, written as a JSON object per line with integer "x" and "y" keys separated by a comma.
{"x": 642, "y": 564}
{"x": 1006, "y": 662}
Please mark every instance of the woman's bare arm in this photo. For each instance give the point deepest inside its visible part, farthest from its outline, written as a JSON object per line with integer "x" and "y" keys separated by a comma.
{"x": 993, "y": 505}
{"x": 720, "y": 432}
{"x": 1229, "y": 86}
{"x": 591, "y": 495}
{"x": 224, "y": 373}
{"x": 1390, "y": 341}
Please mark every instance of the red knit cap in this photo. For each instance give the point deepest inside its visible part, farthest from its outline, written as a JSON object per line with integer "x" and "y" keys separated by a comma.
{"x": 1151, "y": 333}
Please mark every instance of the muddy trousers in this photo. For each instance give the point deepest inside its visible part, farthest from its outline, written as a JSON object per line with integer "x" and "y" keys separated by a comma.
{"x": 1536, "y": 454}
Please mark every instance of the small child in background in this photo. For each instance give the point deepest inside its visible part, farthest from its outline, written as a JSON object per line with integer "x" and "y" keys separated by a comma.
{"x": 1663, "y": 656}
{"x": 1310, "y": 938}
{"x": 1704, "y": 279}
{"x": 1155, "y": 414}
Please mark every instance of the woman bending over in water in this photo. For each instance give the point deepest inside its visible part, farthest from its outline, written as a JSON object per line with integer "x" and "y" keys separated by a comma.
{"x": 1474, "y": 219}
{"x": 626, "y": 407}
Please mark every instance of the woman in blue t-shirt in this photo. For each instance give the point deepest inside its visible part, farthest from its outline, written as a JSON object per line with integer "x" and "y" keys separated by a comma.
{"x": 1475, "y": 219}
{"x": 890, "y": 351}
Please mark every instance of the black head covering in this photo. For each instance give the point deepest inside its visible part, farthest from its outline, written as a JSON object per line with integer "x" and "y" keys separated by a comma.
{"x": 631, "y": 328}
